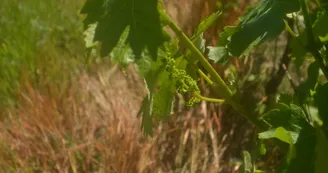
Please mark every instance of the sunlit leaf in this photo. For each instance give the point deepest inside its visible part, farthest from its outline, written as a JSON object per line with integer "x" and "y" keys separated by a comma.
{"x": 279, "y": 133}
{"x": 247, "y": 166}
{"x": 205, "y": 24}
{"x": 122, "y": 53}
{"x": 114, "y": 16}
{"x": 218, "y": 54}
{"x": 264, "y": 22}
{"x": 89, "y": 34}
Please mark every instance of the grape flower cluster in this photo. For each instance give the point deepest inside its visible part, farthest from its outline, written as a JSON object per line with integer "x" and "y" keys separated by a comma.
{"x": 184, "y": 82}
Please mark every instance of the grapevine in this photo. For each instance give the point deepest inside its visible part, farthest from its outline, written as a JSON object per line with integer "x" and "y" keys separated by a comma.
{"x": 184, "y": 82}
{"x": 264, "y": 22}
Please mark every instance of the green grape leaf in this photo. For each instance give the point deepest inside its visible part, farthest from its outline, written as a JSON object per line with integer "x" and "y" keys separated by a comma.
{"x": 291, "y": 117}
{"x": 226, "y": 34}
{"x": 298, "y": 44}
{"x": 261, "y": 147}
{"x": 289, "y": 126}
{"x": 161, "y": 89}
{"x": 286, "y": 98}
{"x": 89, "y": 34}
{"x": 218, "y": 54}
{"x": 321, "y": 165}
{"x": 150, "y": 70}
{"x": 282, "y": 134}
{"x": 146, "y": 111}
{"x": 304, "y": 159}
{"x": 200, "y": 42}
{"x": 205, "y": 24}
{"x": 298, "y": 50}
{"x": 264, "y": 22}
{"x": 114, "y": 16}
{"x": 122, "y": 53}
{"x": 321, "y": 100}
{"x": 303, "y": 90}
{"x": 324, "y": 38}
{"x": 247, "y": 166}
{"x": 164, "y": 96}
{"x": 320, "y": 26}
{"x": 301, "y": 146}
{"x": 279, "y": 133}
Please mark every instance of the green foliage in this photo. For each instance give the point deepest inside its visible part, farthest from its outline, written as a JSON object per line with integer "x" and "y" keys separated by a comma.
{"x": 218, "y": 54}
{"x": 114, "y": 16}
{"x": 321, "y": 100}
{"x": 247, "y": 166}
{"x": 286, "y": 116}
{"x": 126, "y": 28}
{"x": 205, "y": 24}
{"x": 263, "y": 22}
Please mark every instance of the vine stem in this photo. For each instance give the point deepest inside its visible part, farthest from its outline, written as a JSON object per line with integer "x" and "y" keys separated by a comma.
{"x": 195, "y": 94}
{"x": 207, "y": 79}
{"x": 311, "y": 42}
{"x": 219, "y": 85}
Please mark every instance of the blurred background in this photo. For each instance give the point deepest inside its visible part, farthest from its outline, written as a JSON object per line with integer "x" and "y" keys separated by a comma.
{"x": 64, "y": 109}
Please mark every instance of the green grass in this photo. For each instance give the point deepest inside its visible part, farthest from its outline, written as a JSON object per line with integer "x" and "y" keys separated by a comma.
{"x": 40, "y": 40}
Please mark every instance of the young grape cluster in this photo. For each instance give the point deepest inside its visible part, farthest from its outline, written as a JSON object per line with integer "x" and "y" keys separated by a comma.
{"x": 184, "y": 82}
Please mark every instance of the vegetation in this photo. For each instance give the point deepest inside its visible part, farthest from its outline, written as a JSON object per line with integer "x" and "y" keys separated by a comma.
{"x": 215, "y": 96}
{"x": 166, "y": 69}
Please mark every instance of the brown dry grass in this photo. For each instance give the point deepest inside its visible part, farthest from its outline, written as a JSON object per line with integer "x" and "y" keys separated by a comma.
{"x": 92, "y": 127}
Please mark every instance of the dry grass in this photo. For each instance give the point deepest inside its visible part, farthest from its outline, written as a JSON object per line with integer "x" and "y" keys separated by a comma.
{"x": 92, "y": 128}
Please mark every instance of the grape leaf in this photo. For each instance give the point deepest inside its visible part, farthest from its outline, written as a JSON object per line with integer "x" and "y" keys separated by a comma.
{"x": 304, "y": 160}
{"x": 205, "y": 24}
{"x": 114, "y": 16}
{"x": 226, "y": 35}
{"x": 161, "y": 90}
{"x": 320, "y": 32}
{"x": 150, "y": 70}
{"x": 89, "y": 34}
{"x": 279, "y": 133}
{"x": 298, "y": 50}
{"x": 303, "y": 90}
{"x": 301, "y": 145}
{"x": 218, "y": 54}
{"x": 264, "y": 22}
{"x": 320, "y": 26}
{"x": 291, "y": 117}
{"x": 247, "y": 166}
{"x": 321, "y": 165}
{"x": 321, "y": 100}
{"x": 122, "y": 53}
{"x": 289, "y": 125}
{"x": 286, "y": 98}
{"x": 146, "y": 110}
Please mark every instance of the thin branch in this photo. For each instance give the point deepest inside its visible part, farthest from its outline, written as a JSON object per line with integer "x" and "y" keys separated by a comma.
{"x": 196, "y": 94}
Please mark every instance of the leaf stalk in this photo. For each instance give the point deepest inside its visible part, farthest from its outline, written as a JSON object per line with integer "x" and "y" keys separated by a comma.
{"x": 219, "y": 85}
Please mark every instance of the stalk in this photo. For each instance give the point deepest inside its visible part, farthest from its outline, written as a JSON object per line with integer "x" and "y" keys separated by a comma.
{"x": 219, "y": 85}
